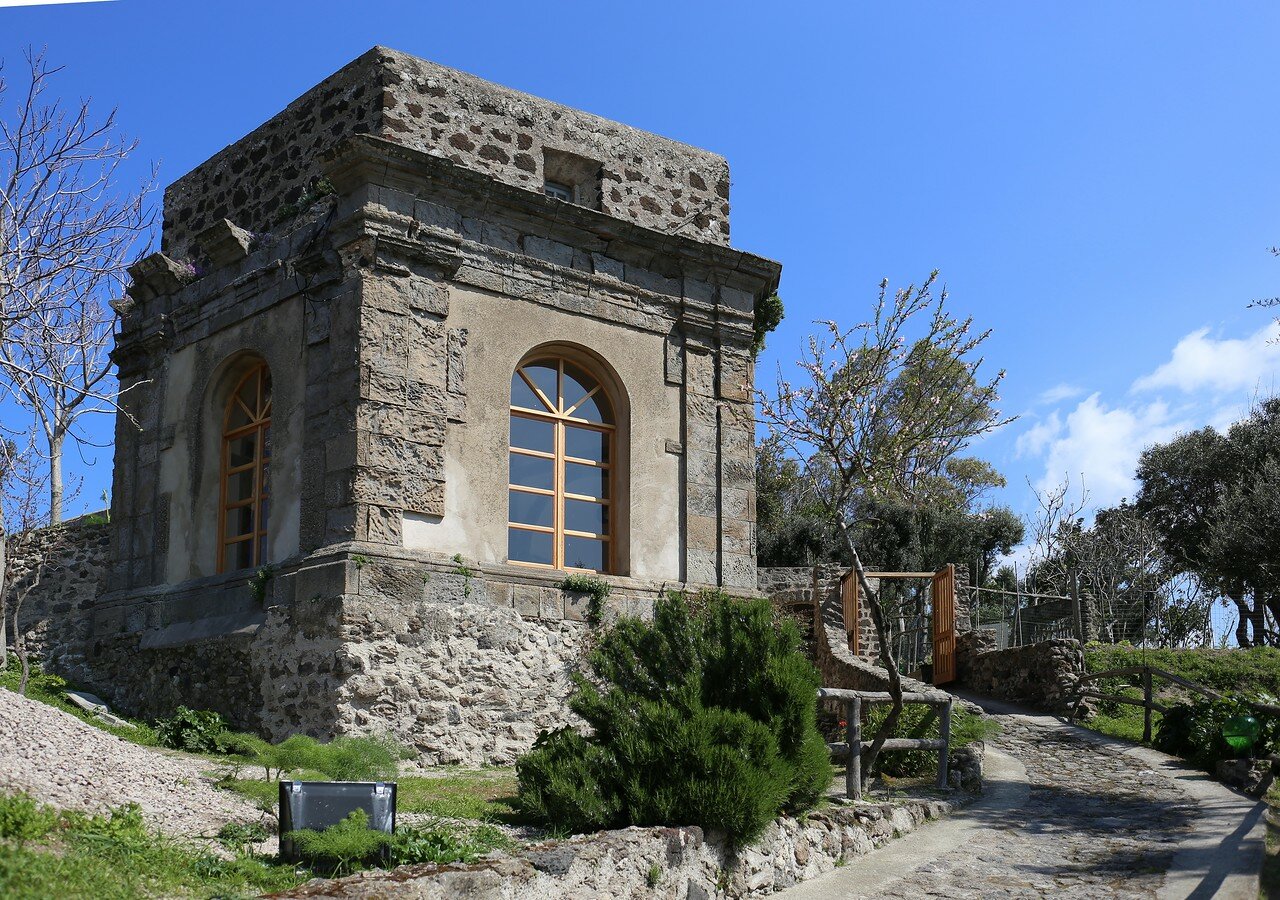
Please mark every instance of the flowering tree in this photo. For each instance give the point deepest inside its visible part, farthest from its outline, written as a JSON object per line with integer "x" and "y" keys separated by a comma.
{"x": 882, "y": 408}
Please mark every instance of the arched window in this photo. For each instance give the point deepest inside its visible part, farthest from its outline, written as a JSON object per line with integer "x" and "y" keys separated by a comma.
{"x": 562, "y": 468}
{"x": 246, "y": 458}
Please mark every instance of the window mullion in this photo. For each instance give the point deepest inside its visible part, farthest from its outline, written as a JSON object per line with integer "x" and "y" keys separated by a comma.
{"x": 558, "y": 516}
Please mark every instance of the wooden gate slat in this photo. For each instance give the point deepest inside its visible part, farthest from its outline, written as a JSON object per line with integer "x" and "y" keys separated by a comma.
{"x": 944, "y": 625}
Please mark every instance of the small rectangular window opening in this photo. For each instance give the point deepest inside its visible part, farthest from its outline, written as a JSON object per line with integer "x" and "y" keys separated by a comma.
{"x": 557, "y": 191}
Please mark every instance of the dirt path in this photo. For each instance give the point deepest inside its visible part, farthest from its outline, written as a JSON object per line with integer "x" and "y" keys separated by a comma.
{"x": 1070, "y": 814}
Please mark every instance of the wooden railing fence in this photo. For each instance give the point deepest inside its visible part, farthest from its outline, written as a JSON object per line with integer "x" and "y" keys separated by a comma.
{"x": 1148, "y": 702}
{"x": 851, "y": 750}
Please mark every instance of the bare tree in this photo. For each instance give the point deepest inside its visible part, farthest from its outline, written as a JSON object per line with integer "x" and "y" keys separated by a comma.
{"x": 883, "y": 407}
{"x": 22, "y": 485}
{"x": 67, "y": 234}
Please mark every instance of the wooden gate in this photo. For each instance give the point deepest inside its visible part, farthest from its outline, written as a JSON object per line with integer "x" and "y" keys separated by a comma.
{"x": 943, "y": 619}
{"x": 849, "y": 600}
{"x": 944, "y": 625}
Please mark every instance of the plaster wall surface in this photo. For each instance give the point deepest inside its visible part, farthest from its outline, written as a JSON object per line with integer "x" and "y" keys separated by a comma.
{"x": 197, "y": 382}
{"x": 503, "y": 331}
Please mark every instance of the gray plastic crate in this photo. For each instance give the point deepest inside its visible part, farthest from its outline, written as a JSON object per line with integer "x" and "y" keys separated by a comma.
{"x": 319, "y": 804}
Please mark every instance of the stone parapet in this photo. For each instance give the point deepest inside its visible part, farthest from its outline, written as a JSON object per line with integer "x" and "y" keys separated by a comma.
{"x": 1043, "y": 676}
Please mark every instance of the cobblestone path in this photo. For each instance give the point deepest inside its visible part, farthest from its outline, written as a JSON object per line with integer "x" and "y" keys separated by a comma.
{"x": 1098, "y": 823}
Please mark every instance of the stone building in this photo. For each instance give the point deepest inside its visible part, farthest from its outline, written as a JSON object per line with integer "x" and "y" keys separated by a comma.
{"x": 411, "y": 351}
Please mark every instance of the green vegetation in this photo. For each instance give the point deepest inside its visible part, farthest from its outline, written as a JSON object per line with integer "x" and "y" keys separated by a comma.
{"x": 46, "y": 853}
{"x": 1193, "y": 731}
{"x": 1251, "y": 672}
{"x": 351, "y": 844}
{"x": 705, "y": 716}
{"x": 596, "y": 589}
{"x": 192, "y": 730}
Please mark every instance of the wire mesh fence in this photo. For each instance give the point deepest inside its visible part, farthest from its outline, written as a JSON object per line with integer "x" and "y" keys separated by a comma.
{"x": 1146, "y": 618}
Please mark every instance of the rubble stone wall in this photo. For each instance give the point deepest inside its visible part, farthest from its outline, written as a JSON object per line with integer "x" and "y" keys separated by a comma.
{"x": 1042, "y": 676}
{"x": 71, "y": 560}
{"x": 505, "y": 134}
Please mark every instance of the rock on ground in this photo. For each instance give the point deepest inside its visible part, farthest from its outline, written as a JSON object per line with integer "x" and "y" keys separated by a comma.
{"x": 65, "y": 762}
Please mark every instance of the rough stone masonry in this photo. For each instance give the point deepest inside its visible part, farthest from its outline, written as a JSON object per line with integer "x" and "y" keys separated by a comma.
{"x": 387, "y": 248}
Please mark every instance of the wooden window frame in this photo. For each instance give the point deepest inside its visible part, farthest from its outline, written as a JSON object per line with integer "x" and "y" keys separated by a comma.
{"x": 559, "y": 459}
{"x": 259, "y": 424}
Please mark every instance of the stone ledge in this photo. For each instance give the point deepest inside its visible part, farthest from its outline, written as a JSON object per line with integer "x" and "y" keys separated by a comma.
{"x": 690, "y": 864}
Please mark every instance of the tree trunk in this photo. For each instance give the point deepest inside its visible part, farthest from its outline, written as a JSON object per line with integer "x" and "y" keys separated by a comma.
{"x": 55, "y": 476}
{"x": 890, "y": 724}
{"x": 1242, "y": 621}
{"x": 4, "y": 594}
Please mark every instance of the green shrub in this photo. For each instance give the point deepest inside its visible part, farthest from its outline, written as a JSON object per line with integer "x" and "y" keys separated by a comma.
{"x": 342, "y": 759}
{"x": 596, "y": 589}
{"x": 704, "y": 717}
{"x": 23, "y": 819}
{"x": 1193, "y": 730}
{"x": 445, "y": 844}
{"x": 343, "y": 847}
{"x": 193, "y": 730}
{"x": 239, "y": 835}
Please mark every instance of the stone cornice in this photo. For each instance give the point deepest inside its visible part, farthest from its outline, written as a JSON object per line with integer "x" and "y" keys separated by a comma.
{"x": 364, "y": 160}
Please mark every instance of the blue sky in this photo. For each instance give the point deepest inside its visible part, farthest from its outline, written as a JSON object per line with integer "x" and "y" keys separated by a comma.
{"x": 1095, "y": 180}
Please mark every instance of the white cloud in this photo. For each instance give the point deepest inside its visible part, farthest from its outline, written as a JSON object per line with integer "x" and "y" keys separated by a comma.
{"x": 1059, "y": 393}
{"x": 1035, "y": 439}
{"x": 1200, "y": 363}
{"x": 1101, "y": 445}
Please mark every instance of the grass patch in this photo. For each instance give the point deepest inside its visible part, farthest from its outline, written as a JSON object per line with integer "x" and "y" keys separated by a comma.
{"x": 1227, "y": 671}
{"x": 51, "y": 690}
{"x": 46, "y": 853}
{"x": 485, "y": 795}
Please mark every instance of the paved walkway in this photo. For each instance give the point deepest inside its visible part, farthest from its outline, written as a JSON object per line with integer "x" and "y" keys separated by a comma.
{"x": 1070, "y": 813}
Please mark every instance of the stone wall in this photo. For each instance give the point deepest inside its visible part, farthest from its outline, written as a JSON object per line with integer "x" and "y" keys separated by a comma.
{"x": 72, "y": 560}
{"x": 639, "y": 177}
{"x": 689, "y": 864}
{"x": 1042, "y": 676}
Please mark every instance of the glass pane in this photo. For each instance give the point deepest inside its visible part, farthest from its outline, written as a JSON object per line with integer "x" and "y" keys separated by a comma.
{"x": 266, "y": 442}
{"x": 586, "y": 444}
{"x": 240, "y": 486}
{"x": 237, "y": 417}
{"x": 580, "y": 515}
{"x": 239, "y": 521}
{"x": 594, "y": 410}
{"x": 532, "y": 509}
{"x": 533, "y": 434}
{"x": 262, "y": 549}
{"x": 577, "y": 384}
{"x": 266, "y": 393}
{"x": 248, "y": 394}
{"x": 523, "y": 396}
{"x": 265, "y": 514}
{"x": 529, "y": 546}
{"x": 543, "y": 375}
{"x": 240, "y": 450}
{"x": 584, "y": 553}
{"x": 586, "y": 480}
{"x": 266, "y": 477}
{"x": 532, "y": 471}
{"x": 240, "y": 556}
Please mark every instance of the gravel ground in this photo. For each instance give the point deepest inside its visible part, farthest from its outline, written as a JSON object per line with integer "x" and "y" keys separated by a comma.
{"x": 67, "y": 763}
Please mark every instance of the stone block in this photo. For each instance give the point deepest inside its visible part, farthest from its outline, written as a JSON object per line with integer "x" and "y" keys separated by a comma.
{"x": 527, "y": 600}
{"x": 547, "y": 250}
{"x": 224, "y": 242}
{"x": 551, "y": 604}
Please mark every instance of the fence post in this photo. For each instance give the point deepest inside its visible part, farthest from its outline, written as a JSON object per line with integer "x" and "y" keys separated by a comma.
{"x": 853, "y": 772}
{"x": 1146, "y": 709}
{"x": 944, "y": 755}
